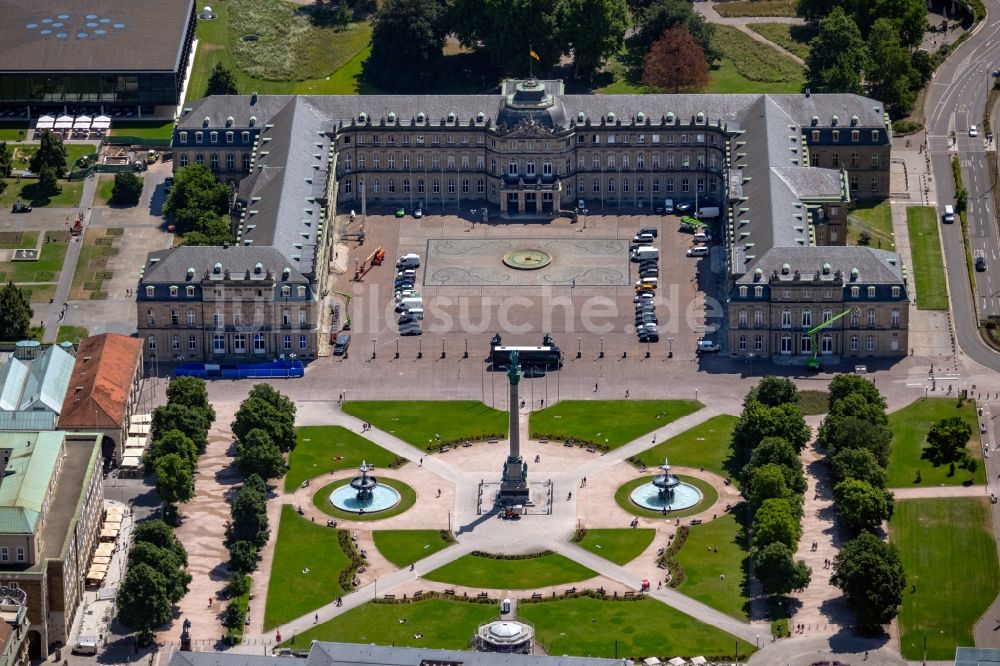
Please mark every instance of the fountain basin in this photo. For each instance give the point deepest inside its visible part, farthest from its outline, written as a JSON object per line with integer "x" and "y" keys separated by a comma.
{"x": 648, "y": 496}
{"x": 346, "y": 498}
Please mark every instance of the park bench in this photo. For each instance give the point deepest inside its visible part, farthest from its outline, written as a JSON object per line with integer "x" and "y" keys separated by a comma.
{"x": 390, "y": 597}
{"x": 544, "y": 440}
{"x": 629, "y": 594}
{"x": 482, "y": 595}
{"x": 571, "y": 590}
{"x": 591, "y": 449}
{"x": 418, "y": 594}
{"x": 451, "y": 592}
{"x": 696, "y": 521}
{"x": 536, "y": 595}
{"x": 492, "y": 440}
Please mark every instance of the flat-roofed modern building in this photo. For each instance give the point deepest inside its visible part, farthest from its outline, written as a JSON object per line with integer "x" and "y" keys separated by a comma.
{"x": 55, "y": 54}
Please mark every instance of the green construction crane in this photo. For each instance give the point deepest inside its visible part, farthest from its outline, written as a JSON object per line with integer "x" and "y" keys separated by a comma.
{"x": 814, "y": 363}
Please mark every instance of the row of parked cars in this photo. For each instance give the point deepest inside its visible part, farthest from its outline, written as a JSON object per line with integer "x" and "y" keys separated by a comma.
{"x": 409, "y": 303}
{"x": 647, "y": 256}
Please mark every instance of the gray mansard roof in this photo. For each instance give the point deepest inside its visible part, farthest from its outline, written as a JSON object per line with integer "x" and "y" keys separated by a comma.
{"x": 873, "y": 266}
{"x": 173, "y": 266}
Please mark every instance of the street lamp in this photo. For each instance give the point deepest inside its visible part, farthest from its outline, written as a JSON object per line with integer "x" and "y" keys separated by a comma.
{"x": 397, "y": 347}
{"x": 670, "y": 349}
{"x": 466, "y": 354}
{"x": 420, "y": 347}
{"x": 602, "y": 347}
{"x": 578, "y": 353}
{"x": 373, "y": 347}
{"x": 442, "y": 347}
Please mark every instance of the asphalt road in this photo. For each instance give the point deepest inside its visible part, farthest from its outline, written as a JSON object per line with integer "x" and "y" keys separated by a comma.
{"x": 955, "y": 101}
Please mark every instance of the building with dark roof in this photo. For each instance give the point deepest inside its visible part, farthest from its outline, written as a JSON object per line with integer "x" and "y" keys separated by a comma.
{"x": 783, "y": 169}
{"x": 103, "y": 390}
{"x": 102, "y": 53}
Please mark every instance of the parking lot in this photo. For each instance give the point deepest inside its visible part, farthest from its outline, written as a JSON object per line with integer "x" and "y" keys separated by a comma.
{"x": 582, "y": 296}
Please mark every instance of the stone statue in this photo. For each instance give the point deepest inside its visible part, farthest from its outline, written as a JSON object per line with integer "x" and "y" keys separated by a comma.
{"x": 514, "y": 371}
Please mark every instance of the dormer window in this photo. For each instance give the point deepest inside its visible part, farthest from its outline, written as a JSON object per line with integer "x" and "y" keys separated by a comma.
{"x": 836, "y": 135}
{"x": 855, "y": 136}
{"x": 173, "y": 291}
{"x": 190, "y": 291}
{"x": 182, "y": 137}
{"x": 871, "y": 292}
{"x": 286, "y": 290}
{"x": 199, "y": 137}
{"x": 150, "y": 292}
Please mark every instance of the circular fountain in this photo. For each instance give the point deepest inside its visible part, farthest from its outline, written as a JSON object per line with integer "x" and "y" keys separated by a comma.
{"x": 666, "y": 492}
{"x": 364, "y": 494}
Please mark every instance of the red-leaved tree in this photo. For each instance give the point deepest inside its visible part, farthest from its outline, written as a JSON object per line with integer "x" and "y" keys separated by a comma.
{"x": 675, "y": 62}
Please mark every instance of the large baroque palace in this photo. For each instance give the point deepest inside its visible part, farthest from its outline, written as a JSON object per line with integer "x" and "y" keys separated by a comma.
{"x": 784, "y": 170}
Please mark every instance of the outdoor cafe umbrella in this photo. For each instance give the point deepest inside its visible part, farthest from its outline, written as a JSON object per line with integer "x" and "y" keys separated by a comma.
{"x": 101, "y": 122}
{"x": 82, "y": 122}
{"x": 64, "y": 122}
{"x": 45, "y": 122}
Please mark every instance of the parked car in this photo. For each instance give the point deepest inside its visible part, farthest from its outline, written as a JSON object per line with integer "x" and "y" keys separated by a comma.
{"x": 982, "y": 428}
{"x": 707, "y": 346}
{"x": 649, "y": 337}
{"x": 342, "y": 343}
{"x": 400, "y": 212}
{"x": 649, "y": 231}
{"x": 684, "y": 206}
{"x": 973, "y": 130}
{"x": 21, "y": 208}
{"x": 418, "y": 213}
{"x": 697, "y": 251}
{"x": 702, "y": 236}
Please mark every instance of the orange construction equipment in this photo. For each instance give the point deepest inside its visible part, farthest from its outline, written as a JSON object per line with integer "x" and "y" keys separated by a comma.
{"x": 377, "y": 257}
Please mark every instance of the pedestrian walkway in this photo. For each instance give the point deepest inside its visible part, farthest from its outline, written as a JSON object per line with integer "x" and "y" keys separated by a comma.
{"x": 742, "y": 23}
{"x": 937, "y": 492}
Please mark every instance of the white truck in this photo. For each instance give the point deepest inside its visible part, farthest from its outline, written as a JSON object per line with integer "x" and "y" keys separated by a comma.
{"x": 707, "y": 211}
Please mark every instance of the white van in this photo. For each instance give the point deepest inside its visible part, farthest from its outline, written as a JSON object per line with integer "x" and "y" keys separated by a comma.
{"x": 707, "y": 211}
{"x": 85, "y": 645}
{"x": 409, "y": 302}
{"x": 668, "y": 206}
{"x": 645, "y": 252}
{"x": 697, "y": 251}
{"x": 413, "y": 313}
{"x": 409, "y": 261}
{"x": 949, "y": 214}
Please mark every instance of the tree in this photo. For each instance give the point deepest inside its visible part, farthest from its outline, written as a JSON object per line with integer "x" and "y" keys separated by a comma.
{"x": 908, "y": 19}
{"x": 407, "y": 44}
{"x": 237, "y": 585}
{"x": 813, "y": 10}
{"x": 837, "y": 58}
{"x": 777, "y": 451}
{"x": 859, "y": 406}
{"x": 204, "y": 227}
{"x": 172, "y": 441}
{"x": 870, "y": 574}
{"x": 195, "y": 192}
{"x": 946, "y": 441}
{"x": 675, "y": 62}
{"x": 775, "y": 522}
{"x": 191, "y": 392}
{"x": 143, "y": 603}
{"x": 596, "y": 30}
{"x": 160, "y": 534}
{"x": 849, "y": 432}
{"x": 257, "y": 454}
{"x": 249, "y": 518}
{"x": 843, "y": 385}
{"x": 51, "y": 153}
{"x": 15, "y": 313}
{"x": 6, "y": 160}
{"x": 773, "y": 391}
{"x": 174, "y": 479}
{"x": 656, "y": 19}
{"x": 242, "y": 557}
{"x": 233, "y": 617}
{"x": 767, "y": 482}
{"x": 173, "y": 416}
{"x": 778, "y": 571}
{"x": 166, "y": 563}
{"x": 857, "y": 463}
{"x": 257, "y": 484}
{"x": 862, "y": 505}
{"x": 758, "y": 421}
{"x": 48, "y": 180}
{"x": 222, "y": 81}
{"x": 127, "y": 189}
{"x": 269, "y": 410}
{"x": 890, "y": 75}
{"x": 488, "y": 24}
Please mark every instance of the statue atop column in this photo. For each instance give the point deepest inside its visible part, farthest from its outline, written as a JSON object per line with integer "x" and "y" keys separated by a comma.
{"x": 514, "y": 487}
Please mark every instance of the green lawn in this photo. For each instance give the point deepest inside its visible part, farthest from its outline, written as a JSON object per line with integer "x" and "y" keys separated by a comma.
{"x": 324, "y": 449}
{"x": 709, "y": 496}
{"x": 444, "y": 625}
{"x": 71, "y": 334}
{"x": 928, "y": 266}
{"x": 105, "y": 183}
{"x": 18, "y": 239}
{"x": 74, "y": 151}
{"x": 28, "y": 191}
{"x": 608, "y": 423}
{"x": 910, "y": 426}
{"x": 145, "y": 130}
{"x": 586, "y": 626}
{"x": 793, "y": 38}
{"x": 705, "y": 445}
{"x": 11, "y": 133}
{"x": 704, "y": 566}
{"x": 403, "y": 547}
{"x": 46, "y": 269}
{"x": 758, "y": 67}
{"x": 302, "y": 545}
{"x": 39, "y": 293}
{"x": 620, "y": 546}
{"x": 408, "y": 496}
{"x": 757, "y": 8}
{"x": 421, "y": 422}
{"x": 527, "y": 574}
{"x": 92, "y": 264}
{"x": 811, "y": 403}
{"x": 290, "y": 57}
{"x": 875, "y": 220}
{"x": 949, "y": 554}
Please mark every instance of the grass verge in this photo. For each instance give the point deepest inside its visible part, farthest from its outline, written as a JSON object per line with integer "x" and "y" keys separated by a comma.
{"x": 427, "y": 423}
{"x": 71, "y": 334}
{"x": 105, "y": 183}
{"x": 321, "y": 500}
{"x": 28, "y": 190}
{"x": 870, "y": 224}
{"x": 714, "y": 560}
{"x": 528, "y": 573}
{"x": 705, "y": 445}
{"x": 325, "y": 449}
{"x": 709, "y": 497}
{"x": 607, "y": 423}
{"x": 404, "y": 547}
{"x": 756, "y": 8}
{"x": 811, "y": 403}
{"x": 620, "y": 546}
{"x": 92, "y": 265}
{"x": 305, "y": 573}
{"x": 793, "y": 38}
{"x": 48, "y": 266}
{"x": 587, "y": 626}
{"x": 16, "y": 240}
{"x": 928, "y": 264}
{"x": 441, "y": 624}
{"x": 950, "y": 559}
{"x": 755, "y": 61}
{"x": 910, "y": 426}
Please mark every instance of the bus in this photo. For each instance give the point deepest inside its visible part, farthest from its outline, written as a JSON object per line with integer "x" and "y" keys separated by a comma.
{"x": 546, "y": 357}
